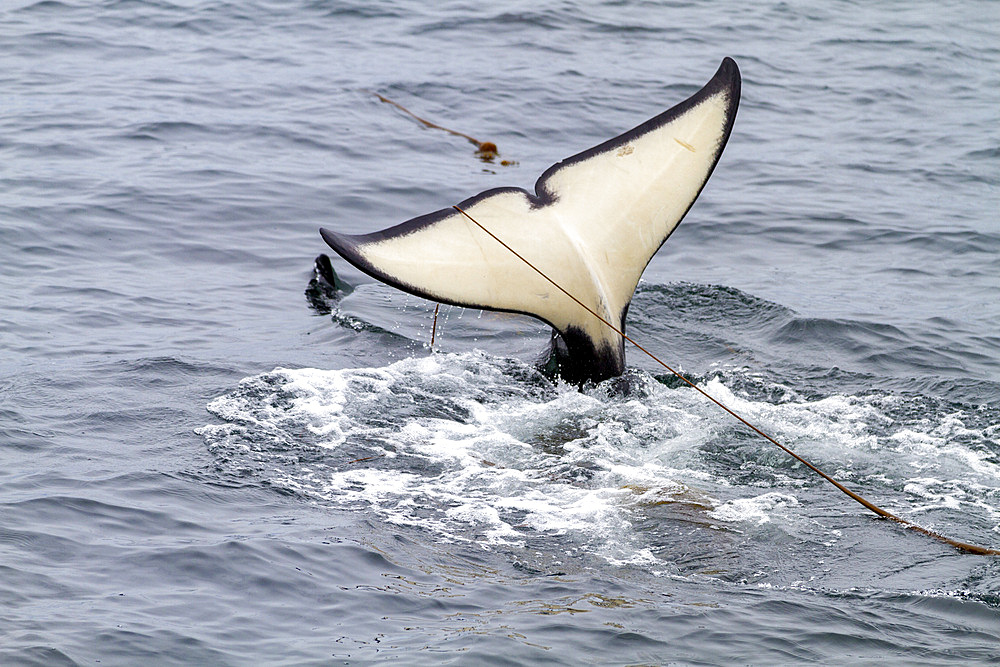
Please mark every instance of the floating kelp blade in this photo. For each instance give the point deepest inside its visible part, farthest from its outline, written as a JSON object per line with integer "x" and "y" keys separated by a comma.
{"x": 485, "y": 150}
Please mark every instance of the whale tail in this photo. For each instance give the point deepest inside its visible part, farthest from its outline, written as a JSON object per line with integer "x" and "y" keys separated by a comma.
{"x": 592, "y": 225}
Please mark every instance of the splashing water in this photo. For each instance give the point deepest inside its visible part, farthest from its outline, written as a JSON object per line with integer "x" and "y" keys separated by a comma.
{"x": 482, "y": 450}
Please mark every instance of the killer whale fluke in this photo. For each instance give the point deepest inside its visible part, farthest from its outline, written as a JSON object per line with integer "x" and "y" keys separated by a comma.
{"x": 593, "y": 222}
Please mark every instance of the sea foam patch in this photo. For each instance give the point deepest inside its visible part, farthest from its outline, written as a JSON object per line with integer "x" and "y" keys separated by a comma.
{"x": 482, "y": 450}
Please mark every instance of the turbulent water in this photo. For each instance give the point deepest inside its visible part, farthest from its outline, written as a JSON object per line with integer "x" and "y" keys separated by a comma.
{"x": 206, "y": 457}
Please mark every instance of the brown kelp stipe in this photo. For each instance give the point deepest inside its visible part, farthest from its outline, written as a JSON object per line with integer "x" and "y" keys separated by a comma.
{"x": 434, "y": 327}
{"x": 485, "y": 150}
{"x": 962, "y": 546}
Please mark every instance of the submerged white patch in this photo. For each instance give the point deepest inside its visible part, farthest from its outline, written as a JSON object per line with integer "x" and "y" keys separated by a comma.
{"x": 757, "y": 509}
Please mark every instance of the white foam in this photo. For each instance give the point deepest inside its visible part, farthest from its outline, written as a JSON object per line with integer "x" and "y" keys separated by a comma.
{"x": 481, "y": 450}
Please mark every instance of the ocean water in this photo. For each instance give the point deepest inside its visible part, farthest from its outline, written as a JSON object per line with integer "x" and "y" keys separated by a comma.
{"x": 207, "y": 458}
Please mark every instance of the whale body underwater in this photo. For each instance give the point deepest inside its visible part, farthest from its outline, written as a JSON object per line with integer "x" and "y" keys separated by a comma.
{"x": 593, "y": 223}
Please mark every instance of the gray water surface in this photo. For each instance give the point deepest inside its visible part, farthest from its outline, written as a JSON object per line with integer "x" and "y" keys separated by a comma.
{"x": 205, "y": 461}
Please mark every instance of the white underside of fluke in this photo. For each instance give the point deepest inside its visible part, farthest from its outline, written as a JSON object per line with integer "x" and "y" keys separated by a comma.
{"x": 593, "y": 224}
